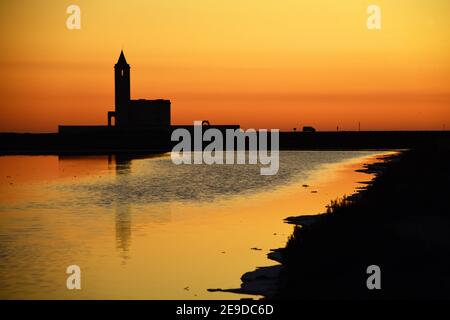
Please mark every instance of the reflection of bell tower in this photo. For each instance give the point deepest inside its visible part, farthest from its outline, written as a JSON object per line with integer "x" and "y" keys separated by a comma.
{"x": 123, "y": 229}
{"x": 123, "y": 212}
{"x": 122, "y": 90}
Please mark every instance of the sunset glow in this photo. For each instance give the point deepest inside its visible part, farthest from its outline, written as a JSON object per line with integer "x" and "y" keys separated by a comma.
{"x": 257, "y": 63}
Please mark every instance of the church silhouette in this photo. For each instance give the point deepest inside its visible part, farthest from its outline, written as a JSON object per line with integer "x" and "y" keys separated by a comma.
{"x": 135, "y": 113}
{"x": 144, "y": 126}
{"x": 138, "y": 114}
{"x": 134, "y": 125}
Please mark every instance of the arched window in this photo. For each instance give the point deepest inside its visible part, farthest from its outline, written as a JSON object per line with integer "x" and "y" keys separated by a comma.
{"x": 121, "y": 73}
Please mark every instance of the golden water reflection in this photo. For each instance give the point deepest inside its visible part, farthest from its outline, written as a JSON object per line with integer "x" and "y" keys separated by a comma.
{"x": 162, "y": 249}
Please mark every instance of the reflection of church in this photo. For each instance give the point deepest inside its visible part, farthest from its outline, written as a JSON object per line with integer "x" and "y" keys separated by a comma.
{"x": 121, "y": 164}
{"x": 122, "y": 168}
{"x": 123, "y": 229}
{"x": 135, "y": 113}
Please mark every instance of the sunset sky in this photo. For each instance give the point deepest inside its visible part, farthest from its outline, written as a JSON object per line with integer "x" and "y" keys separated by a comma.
{"x": 258, "y": 63}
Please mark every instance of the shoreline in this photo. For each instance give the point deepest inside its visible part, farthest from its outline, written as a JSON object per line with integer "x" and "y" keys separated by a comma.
{"x": 152, "y": 152}
{"x": 264, "y": 281}
{"x": 400, "y": 223}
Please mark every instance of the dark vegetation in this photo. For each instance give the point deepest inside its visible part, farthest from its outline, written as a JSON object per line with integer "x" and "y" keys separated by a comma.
{"x": 401, "y": 223}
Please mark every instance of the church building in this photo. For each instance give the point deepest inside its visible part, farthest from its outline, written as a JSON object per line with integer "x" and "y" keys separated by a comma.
{"x": 139, "y": 113}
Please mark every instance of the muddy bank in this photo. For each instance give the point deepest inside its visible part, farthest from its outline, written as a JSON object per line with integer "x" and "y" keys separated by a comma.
{"x": 400, "y": 222}
{"x": 264, "y": 281}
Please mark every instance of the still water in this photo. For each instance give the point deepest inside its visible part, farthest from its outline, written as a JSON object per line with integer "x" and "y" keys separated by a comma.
{"x": 144, "y": 228}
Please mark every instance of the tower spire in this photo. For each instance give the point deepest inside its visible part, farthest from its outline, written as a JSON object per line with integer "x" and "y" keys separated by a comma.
{"x": 122, "y": 90}
{"x": 122, "y": 61}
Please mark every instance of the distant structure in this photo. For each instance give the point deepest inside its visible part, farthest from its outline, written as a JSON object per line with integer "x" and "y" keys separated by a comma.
{"x": 133, "y": 126}
{"x": 135, "y": 113}
{"x": 308, "y": 129}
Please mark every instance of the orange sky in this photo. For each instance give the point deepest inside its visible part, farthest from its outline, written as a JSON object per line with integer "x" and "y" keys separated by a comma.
{"x": 258, "y": 63}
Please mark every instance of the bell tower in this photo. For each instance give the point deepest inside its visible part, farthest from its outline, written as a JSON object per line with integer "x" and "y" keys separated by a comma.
{"x": 122, "y": 90}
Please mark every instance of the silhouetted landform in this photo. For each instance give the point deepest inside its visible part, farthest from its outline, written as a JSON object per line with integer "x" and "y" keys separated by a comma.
{"x": 144, "y": 126}
{"x": 114, "y": 139}
{"x": 356, "y": 140}
{"x": 400, "y": 223}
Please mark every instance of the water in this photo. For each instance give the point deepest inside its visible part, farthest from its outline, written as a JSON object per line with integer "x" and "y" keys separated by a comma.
{"x": 145, "y": 228}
